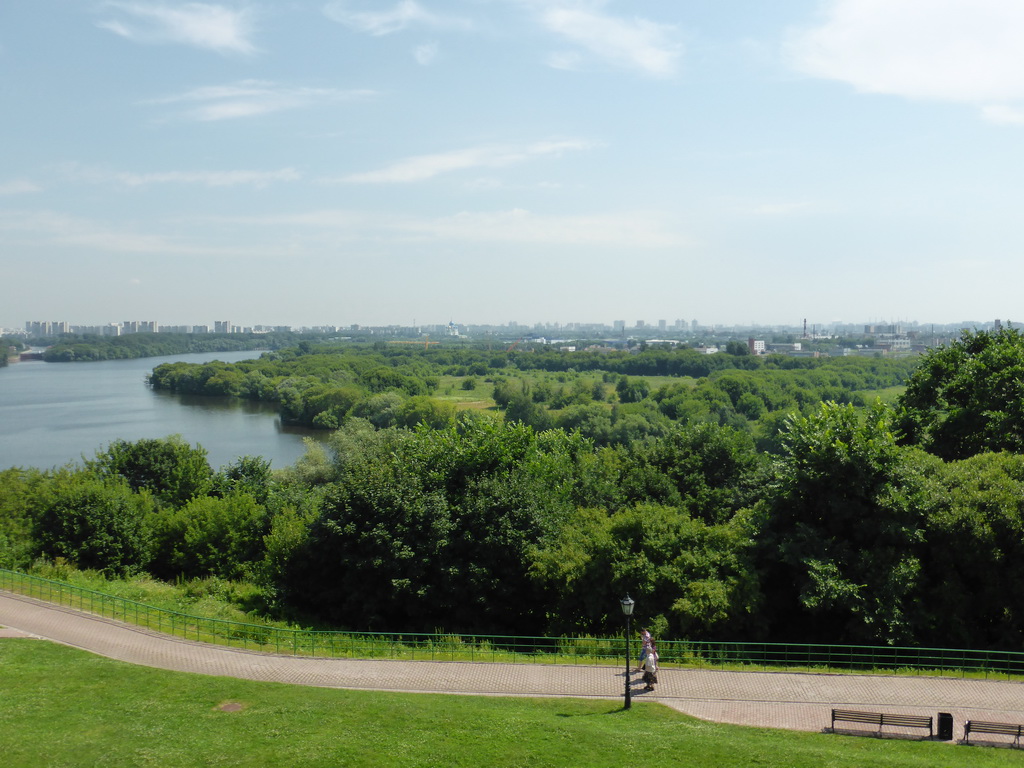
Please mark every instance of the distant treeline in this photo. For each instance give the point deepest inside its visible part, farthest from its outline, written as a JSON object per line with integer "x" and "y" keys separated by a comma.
{"x": 90, "y": 348}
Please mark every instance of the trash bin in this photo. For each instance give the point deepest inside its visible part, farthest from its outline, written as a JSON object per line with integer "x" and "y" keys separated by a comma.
{"x": 945, "y": 726}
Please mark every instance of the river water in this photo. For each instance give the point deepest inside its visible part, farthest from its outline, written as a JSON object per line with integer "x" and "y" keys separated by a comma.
{"x": 55, "y": 413}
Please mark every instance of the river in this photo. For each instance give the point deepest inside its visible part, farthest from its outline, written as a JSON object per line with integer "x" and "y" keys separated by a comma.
{"x": 55, "y": 413}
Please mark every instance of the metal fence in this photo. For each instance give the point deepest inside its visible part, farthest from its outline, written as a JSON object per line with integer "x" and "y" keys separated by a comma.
{"x": 538, "y": 650}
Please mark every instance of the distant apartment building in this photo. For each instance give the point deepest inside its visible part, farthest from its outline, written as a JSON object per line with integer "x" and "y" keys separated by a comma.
{"x": 47, "y": 328}
{"x": 222, "y": 326}
{"x": 110, "y": 329}
{"x": 140, "y": 326}
{"x": 875, "y": 330}
{"x": 272, "y": 329}
{"x": 619, "y": 326}
{"x": 892, "y": 342}
{"x": 756, "y": 346}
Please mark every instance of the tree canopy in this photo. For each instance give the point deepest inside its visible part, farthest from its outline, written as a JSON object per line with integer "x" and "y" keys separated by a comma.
{"x": 968, "y": 397}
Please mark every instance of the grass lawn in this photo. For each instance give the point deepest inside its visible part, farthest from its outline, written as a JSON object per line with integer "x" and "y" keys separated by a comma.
{"x": 479, "y": 398}
{"x": 887, "y": 395}
{"x": 64, "y": 707}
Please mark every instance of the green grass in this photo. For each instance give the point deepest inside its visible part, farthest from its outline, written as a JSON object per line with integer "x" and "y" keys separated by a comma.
{"x": 887, "y": 395}
{"x": 479, "y": 398}
{"x": 64, "y": 707}
{"x": 210, "y": 598}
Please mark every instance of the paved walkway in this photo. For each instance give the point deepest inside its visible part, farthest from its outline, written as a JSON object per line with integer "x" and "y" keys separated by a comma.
{"x": 767, "y": 699}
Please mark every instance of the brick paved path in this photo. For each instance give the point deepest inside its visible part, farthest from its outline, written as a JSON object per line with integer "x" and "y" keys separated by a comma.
{"x": 769, "y": 699}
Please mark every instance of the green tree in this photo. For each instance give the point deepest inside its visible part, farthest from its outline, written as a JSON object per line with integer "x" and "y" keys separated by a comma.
{"x": 210, "y": 536}
{"x": 18, "y": 490}
{"x": 382, "y": 410}
{"x": 703, "y": 468}
{"x": 522, "y": 409}
{"x": 693, "y": 580}
{"x": 431, "y": 528}
{"x": 632, "y": 390}
{"x": 171, "y": 469}
{"x": 436, "y": 414}
{"x": 93, "y": 522}
{"x": 842, "y": 529}
{"x": 968, "y": 397}
{"x": 247, "y": 474}
{"x": 973, "y": 565}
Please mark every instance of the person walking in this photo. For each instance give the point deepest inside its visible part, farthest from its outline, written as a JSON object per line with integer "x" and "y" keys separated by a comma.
{"x": 646, "y": 643}
{"x": 650, "y": 677}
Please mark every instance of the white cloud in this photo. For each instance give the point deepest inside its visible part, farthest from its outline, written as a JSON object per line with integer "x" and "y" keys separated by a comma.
{"x": 1000, "y": 114}
{"x": 425, "y": 167}
{"x": 633, "y": 43}
{"x": 202, "y": 25}
{"x": 570, "y": 61}
{"x": 252, "y": 97}
{"x": 425, "y": 54}
{"x": 76, "y": 232}
{"x": 632, "y": 229}
{"x": 18, "y": 187}
{"x": 950, "y": 50}
{"x": 209, "y": 178}
{"x": 92, "y": 175}
{"x": 405, "y": 14}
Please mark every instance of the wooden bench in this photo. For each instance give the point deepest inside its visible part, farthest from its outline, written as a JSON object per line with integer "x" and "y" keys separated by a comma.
{"x": 881, "y": 719}
{"x": 983, "y": 726}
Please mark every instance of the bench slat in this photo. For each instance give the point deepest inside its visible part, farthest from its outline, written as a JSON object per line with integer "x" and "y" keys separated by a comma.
{"x": 881, "y": 719}
{"x": 911, "y": 720}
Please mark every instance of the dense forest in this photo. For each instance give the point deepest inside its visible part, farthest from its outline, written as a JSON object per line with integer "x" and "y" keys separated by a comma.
{"x": 755, "y": 498}
{"x": 76, "y": 349}
{"x": 634, "y": 395}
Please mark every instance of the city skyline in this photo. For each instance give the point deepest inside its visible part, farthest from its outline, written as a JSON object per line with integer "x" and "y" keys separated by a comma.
{"x": 342, "y": 161}
{"x": 41, "y": 328}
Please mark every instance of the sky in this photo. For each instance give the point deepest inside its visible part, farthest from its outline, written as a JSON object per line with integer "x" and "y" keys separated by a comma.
{"x": 330, "y": 162}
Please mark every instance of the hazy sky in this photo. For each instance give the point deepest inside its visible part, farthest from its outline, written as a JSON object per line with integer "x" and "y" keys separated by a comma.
{"x": 399, "y": 161}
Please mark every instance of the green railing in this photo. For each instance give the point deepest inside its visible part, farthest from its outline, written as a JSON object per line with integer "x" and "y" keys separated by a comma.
{"x": 547, "y": 650}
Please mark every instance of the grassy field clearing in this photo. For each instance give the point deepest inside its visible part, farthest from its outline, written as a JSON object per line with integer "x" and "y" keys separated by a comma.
{"x": 887, "y": 395}
{"x": 61, "y": 706}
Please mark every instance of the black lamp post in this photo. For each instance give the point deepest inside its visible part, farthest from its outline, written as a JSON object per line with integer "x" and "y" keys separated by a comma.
{"x": 627, "y": 608}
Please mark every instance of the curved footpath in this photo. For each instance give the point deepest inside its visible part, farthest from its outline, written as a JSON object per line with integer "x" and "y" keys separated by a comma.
{"x": 769, "y": 699}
